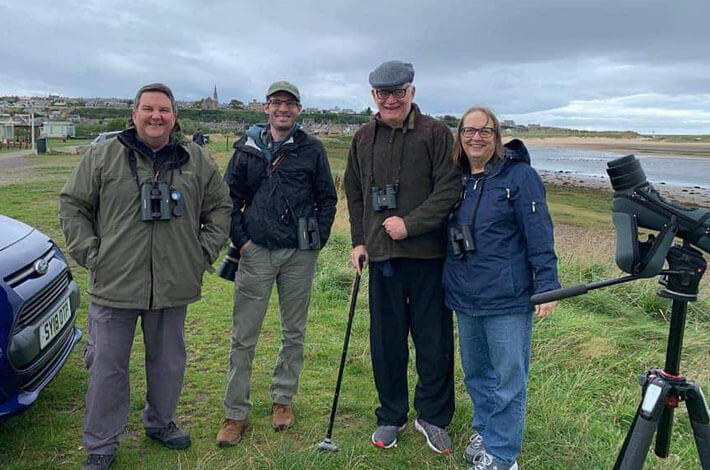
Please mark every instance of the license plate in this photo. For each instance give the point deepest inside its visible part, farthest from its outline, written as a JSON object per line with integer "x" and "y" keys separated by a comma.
{"x": 54, "y": 324}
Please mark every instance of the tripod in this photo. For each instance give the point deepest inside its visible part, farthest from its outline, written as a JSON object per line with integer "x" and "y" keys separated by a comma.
{"x": 663, "y": 389}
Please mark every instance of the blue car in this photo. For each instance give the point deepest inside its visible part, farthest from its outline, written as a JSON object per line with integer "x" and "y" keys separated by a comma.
{"x": 38, "y": 303}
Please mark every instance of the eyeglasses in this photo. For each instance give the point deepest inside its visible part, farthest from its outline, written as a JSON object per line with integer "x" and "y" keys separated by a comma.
{"x": 398, "y": 94}
{"x": 275, "y": 102}
{"x": 484, "y": 132}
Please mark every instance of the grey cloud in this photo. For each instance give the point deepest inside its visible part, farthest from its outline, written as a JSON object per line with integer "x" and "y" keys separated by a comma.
{"x": 521, "y": 58}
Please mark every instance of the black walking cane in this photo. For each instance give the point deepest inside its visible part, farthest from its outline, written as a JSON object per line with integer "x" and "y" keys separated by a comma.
{"x": 328, "y": 443}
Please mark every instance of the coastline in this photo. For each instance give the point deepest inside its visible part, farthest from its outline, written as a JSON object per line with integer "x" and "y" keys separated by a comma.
{"x": 641, "y": 146}
{"x": 688, "y": 196}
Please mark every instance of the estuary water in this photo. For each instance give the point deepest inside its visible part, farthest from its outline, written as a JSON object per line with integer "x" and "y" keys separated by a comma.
{"x": 673, "y": 171}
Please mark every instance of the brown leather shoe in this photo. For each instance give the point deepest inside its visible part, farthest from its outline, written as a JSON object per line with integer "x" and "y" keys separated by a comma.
{"x": 281, "y": 416}
{"x": 231, "y": 432}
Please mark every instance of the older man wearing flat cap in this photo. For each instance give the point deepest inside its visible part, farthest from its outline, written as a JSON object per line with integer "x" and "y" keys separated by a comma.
{"x": 401, "y": 184}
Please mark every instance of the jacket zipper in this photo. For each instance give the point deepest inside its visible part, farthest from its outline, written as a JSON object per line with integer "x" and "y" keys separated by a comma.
{"x": 534, "y": 209}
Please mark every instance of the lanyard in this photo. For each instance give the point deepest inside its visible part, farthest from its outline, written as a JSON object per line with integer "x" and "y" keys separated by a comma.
{"x": 398, "y": 168}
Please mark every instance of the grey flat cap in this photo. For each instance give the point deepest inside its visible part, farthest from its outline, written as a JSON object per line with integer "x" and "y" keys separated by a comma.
{"x": 283, "y": 85}
{"x": 391, "y": 74}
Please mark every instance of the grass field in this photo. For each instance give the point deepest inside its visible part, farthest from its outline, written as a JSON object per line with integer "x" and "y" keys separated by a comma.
{"x": 583, "y": 382}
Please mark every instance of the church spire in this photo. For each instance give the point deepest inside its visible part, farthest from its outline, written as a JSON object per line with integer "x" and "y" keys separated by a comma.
{"x": 214, "y": 94}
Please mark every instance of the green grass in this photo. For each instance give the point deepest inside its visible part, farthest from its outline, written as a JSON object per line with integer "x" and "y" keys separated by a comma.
{"x": 57, "y": 142}
{"x": 583, "y": 385}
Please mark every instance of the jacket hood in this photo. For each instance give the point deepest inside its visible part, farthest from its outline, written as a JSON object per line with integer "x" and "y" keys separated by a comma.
{"x": 255, "y": 131}
{"x": 130, "y": 140}
{"x": 515, "y": 151}
{"x": 254, "y": 137}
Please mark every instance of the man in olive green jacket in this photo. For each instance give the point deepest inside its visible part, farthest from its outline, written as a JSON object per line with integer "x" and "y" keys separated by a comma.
{"x": 147, "y": 215}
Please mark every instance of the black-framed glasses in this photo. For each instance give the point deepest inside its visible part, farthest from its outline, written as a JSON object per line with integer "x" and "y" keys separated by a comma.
{"x": 484, "y": 132}
{"x": 398, "y": 93}
{"x": 277, "y": 102}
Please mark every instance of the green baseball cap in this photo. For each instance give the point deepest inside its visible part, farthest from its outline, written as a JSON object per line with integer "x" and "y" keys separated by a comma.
{"x": 283, "y": 85}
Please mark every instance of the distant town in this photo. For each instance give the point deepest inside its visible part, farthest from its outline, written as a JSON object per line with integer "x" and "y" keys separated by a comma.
{"x": 56, "y": 116}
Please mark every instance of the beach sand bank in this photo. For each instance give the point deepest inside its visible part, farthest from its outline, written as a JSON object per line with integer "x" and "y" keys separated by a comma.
{"x": 640, "y": 146}
{"x": 687, "y": 195}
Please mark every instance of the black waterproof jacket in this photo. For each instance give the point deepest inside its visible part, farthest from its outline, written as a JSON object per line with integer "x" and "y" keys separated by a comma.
{"x": 269, "y": 198}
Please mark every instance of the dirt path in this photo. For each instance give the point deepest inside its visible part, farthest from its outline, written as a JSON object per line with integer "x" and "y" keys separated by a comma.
{"x": 12, "y": 164}
{"x": 13, "y": 155}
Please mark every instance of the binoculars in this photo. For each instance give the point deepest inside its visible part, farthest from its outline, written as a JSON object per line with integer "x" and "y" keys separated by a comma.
{"x": 461, "y": 240}
{"x": 308, "y": 235}
{"x": 384, "y": 198}
{"x": 160, "y": 201}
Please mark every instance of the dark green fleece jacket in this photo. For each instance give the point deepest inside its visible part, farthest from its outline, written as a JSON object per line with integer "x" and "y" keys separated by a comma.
{"x": 418, "y": 155}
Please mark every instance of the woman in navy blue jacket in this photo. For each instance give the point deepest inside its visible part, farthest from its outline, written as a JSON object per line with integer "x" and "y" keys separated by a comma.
{"x": 500, "y": 253}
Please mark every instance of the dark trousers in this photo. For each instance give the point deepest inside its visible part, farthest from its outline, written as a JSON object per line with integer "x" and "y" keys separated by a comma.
{"x": 107, "y": 354}
{"x": 410, "y": 299}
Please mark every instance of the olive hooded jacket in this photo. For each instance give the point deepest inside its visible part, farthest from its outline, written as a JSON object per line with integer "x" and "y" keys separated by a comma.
{"x": 135, "y": 264}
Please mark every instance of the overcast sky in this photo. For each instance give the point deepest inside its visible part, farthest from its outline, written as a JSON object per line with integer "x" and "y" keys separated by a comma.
{"x": 642, "y": 65}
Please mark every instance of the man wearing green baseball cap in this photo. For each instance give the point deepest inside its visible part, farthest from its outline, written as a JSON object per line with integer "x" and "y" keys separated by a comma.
{"x": 284, "y": 205}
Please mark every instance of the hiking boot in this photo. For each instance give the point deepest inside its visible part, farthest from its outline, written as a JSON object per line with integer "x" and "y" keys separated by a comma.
{"x": 474, "y": 448}
{"x": 171, "y": 436}
{"x": 487, "y": 462}
{"x": 385, "y": 437}
{"x": 282, "y": 416}
{"x": 98, "y": 462}
{"x": 436, "y": 438}
{"x": 231, "y": 432}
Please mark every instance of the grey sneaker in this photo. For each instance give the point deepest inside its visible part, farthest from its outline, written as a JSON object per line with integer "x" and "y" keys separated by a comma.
{"x": 385, "y": 437}
{"x": 488, "y": 462}
{"x": 436, "y": 438}
{"x": 474, "y": 448}
{"x": 98, "y": 462}
{"x": 171, "y": 436}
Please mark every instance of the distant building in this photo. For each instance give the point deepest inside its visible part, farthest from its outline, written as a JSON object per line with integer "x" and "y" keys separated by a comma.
{"x": 211, "y": 103}
{"x": 7, "y": 131}
{"x": 254, "y": 105}
{"x": 58, "y": 129}
{"x": 17, "y": 128}
{"x": 335, "y": 129}
{"x": 507, "y": 123}
{"x": 534, "y": 127}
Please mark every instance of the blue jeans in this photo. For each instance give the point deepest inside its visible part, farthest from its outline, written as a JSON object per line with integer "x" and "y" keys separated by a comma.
{"x": 495, "y": 355}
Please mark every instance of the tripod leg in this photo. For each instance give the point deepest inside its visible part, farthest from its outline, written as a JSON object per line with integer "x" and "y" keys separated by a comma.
{"x": 700, "y": 421}
{"x": 663, "y": 437}
{"x": 638, "y": 440}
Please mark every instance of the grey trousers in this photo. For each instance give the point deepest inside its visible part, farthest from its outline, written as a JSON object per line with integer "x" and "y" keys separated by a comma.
{"x": 259, "y": 267}
{"x": 107, "y": 353}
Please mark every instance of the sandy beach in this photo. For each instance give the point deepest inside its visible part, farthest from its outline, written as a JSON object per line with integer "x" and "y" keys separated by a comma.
{"x": 644, "y": 146}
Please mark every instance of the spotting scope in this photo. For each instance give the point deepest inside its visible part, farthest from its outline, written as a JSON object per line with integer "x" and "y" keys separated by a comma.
{"x": 635, "y": 196}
